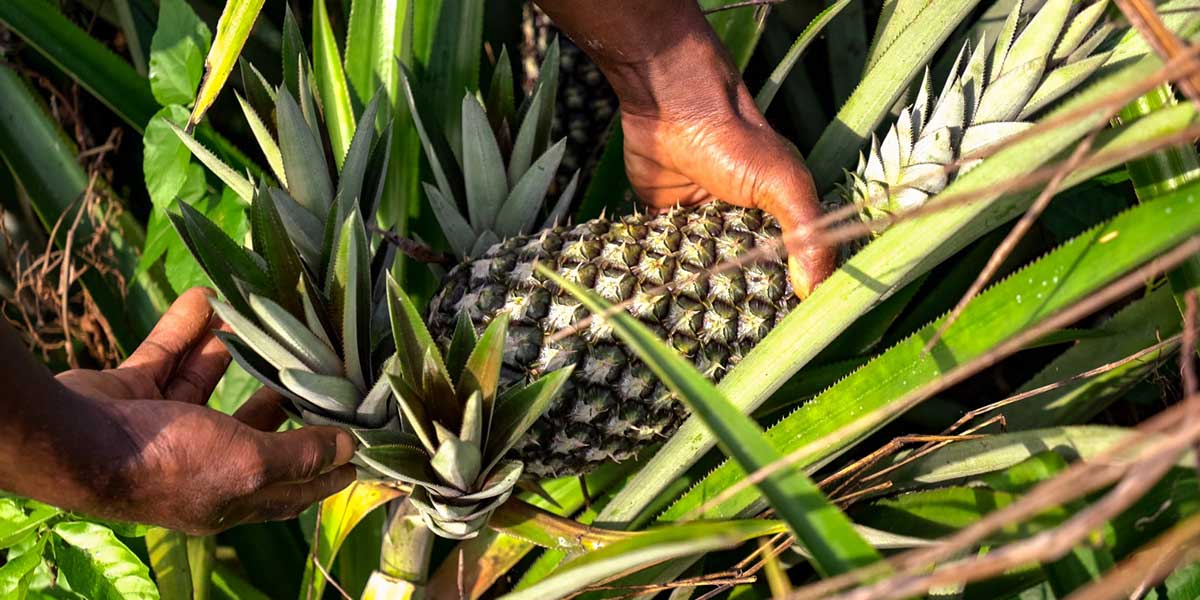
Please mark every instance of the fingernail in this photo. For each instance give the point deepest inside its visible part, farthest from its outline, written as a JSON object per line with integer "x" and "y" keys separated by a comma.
{"x": 346, "y": 445}
{"x": 801, "y": 284}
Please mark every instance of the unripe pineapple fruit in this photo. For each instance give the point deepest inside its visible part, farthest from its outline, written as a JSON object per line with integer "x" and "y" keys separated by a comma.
{"x": 662, "y": 267}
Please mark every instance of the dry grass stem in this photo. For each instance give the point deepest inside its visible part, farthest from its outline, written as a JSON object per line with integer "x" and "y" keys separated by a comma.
{"x": 1134, "y": 576}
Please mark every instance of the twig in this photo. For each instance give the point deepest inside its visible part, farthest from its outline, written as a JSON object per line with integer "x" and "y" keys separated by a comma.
{"x": 1133, "y": 577}
{"x": 1133, "y": 454}
{"x": 412, "y": 248}
{"x": 1145, "y": 20}
{"x": 1071, "y": 314}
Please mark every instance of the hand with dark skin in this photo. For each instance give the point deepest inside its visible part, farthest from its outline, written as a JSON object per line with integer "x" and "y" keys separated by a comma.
{"x": 137, "y": 444}
{"x": 692, "y": 130}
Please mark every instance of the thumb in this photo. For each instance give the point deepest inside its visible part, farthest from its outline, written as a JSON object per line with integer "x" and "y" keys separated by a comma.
{"x": 792, "y": 199}
{"x": 305, "y": 453}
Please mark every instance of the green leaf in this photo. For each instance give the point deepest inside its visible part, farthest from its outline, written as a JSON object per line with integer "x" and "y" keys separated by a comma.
{"x": 223, "y": 259}
{"x": 767, "y": 94}
{"x": 517, "y": 410}
{"x": 350, "y": 289}
{"x": 177, "y": 53}
{"x": 525, "y": 201}
{"x": 461, "y": 344}
{"x": 483, "y": 167}
{"x": 237, "y": 19}
{"x": 303, "y": 157}
{"x": 13, "y": 531}
{"x": 481, "y": 373}
{"x": 296, "y": 337}
{"x": 239, "y": 183}
{"x": 358, "y": 157}
{"x": 457, "y": 462}
{"x": 98, "y": 566}
{"x": 331, "y": 81}
{"x": 18, "y": 570}
{"x": 413, "y": 344}
{"x": 169, "y": 559}
{"x": 523, "y": 147}
{"x": 266, "y": 142}
{"x": 816, "y": 523}
{"x": 164, "y": 157}
{"x": 270, "y": 239}
{"x": 340, "y": 514}
{"x": 902, "y": 376}
{"x": 500, "y": 105}
{"x": 258, "y": 340}
{"x": 643, "y": 551}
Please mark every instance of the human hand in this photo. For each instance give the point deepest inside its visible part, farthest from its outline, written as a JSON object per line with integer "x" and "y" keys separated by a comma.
{"x": 160, "y": 456}
{"x": 692, "y": 130}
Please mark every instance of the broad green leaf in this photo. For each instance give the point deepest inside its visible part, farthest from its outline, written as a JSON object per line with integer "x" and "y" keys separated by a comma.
{"x": 177, "y": 53}
{"x": 374, "y": 39}
{"x": 643, "y": 551}
{"x": 19, "y": 569}
{"x": 867, "y": 399}
{"x": 164, "y": 157}
{"x": 13, "y": 531}
{"x": 902, "y": 253}
{"x": 98, "y": 566}
{"x": 98, "y": 70}
{"x": 334, "y": 395}
{"x": 340, "y": 514}
{"x": 847, "y": 43}
{"x": 447, "y": 43}
{"x": 237, "y": 19}
{"x": 456, "y": 229}
{"x": 483, "y": 167}
{"x": 32, "y": 146}
{"x": 816, "y": 523}
{"x": 814, "y": 28}
{"x": 169, "y": 561}
{"x": 303, "y": 157}
{"x": 331, "y": 81}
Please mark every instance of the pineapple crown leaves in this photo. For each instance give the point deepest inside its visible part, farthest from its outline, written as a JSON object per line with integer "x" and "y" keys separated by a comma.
{"x": 991, "y": 94}
{"x": 498, "y": 188}
{"x": 460, "y": 423}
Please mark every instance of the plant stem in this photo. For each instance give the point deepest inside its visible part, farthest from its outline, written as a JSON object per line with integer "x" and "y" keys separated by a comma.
{"x": 1160, "y": 172}
{"x": 406, "y": 546}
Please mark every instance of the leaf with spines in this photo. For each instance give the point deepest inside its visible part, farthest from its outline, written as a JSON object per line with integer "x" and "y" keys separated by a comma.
{"x": 303, "y": 157}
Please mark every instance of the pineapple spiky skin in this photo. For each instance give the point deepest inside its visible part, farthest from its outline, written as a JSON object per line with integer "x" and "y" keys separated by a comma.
{"x": 613, "y": 405}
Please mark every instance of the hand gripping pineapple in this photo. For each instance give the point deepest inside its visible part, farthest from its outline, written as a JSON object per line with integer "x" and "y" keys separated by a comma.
{"x": 313, "y": 314}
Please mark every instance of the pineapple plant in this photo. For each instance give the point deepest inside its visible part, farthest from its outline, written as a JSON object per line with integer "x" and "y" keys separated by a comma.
{"x": 586, "y": 106}
{"x": 309, "y": 309}
{"x": 991, "y": 94}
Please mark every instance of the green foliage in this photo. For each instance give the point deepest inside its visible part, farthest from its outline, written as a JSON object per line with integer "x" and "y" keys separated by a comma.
{"x": 177, "y": 53}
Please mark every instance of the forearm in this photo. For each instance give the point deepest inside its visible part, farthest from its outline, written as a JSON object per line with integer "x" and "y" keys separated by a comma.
{"x": 48, "y": 436}
{"x": 660, "y": 56}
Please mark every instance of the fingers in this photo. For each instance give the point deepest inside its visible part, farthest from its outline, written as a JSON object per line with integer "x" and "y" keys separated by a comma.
{"x": 195, "y": 378}
{"x": 181, "y": 328}
{"x": 287, "y": 500}
{"x": 305, "y": 453}
{"x": 263, "y": 411}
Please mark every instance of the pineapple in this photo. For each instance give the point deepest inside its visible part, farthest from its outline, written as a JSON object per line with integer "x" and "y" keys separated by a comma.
{"x": 613, "y": 405}
{"x": 309, "y": 309}
{"x": 586, "y": 105}
{"x": 991, "y": 94}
